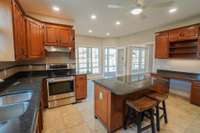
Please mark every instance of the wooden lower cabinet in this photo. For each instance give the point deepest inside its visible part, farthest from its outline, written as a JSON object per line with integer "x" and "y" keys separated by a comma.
{"x": 81, "y": 86}
{"x": 109, "y": 108}
{"x": 195, "y": 93}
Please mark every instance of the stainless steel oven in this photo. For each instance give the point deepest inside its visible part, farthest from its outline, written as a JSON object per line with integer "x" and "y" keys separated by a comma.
{"x": 60, "y": 91}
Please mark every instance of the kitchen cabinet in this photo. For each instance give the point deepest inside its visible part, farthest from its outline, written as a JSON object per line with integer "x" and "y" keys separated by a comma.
{"x": 19, "y": 31}
{"x": 80, "y": 86}
{"x": 162, "y": 45}
{"x": 58, "y": 35}
{"x": 195, "y": 93}
{"x": 72, "y": 52}
{"x": 101, "y": 103}
{"x": 35, "y": 46}
{"x": 184, "y": 34}
{"x": 110, "y": 108}
{"x": 180, "y": 43}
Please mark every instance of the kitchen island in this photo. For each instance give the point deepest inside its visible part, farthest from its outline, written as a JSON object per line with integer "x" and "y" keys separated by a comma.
{"x": 111, "y": 94}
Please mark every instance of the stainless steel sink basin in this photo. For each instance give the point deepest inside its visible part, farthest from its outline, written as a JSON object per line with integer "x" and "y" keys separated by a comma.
{"x": 15, "y": 98}
{"x": 13, "y": 110}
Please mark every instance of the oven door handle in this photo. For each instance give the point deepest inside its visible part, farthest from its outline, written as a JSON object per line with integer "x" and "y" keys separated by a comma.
{"x": 60, "y": 80}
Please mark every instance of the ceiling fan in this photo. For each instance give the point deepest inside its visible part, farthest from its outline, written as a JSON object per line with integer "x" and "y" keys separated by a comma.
{"x": 136, "y": 7}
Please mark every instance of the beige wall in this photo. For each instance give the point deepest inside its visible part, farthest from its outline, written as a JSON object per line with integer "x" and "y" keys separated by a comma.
{"x": 6, "y": 32}
{"x": 147, "y": 37}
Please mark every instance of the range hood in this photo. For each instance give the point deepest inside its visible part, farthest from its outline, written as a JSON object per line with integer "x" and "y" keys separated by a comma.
{"x": 57, "y": 49}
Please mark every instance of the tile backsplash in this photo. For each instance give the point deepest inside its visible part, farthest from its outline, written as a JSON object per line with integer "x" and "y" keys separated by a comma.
{"x": 8, "y": 69}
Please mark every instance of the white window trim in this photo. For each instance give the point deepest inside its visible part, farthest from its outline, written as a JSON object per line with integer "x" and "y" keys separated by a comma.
{"x": 100, "y": 56}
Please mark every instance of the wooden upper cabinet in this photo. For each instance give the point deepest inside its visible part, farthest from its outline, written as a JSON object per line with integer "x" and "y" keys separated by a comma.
{"x": 184, "y": 34}
{"x": 56, "y": 35}
{"x": 65, "y": 36}
{"x": 51, "y": 35}
{"x": 34, "y": 38}
{"x": 19, "y": 32}
{"x": 81, "y": 86}
{"x": 162, "y": 45}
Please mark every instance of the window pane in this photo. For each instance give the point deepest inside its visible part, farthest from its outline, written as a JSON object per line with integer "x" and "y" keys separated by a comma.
{"x": 138, "y": 60}
{"x": 88, "y": 60}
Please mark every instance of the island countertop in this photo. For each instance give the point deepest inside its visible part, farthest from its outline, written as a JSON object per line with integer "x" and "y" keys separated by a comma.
{"x": 127, "y": 84}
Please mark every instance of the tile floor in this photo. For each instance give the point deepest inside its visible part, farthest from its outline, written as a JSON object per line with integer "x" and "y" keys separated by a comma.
{"x": 79, "y": 118}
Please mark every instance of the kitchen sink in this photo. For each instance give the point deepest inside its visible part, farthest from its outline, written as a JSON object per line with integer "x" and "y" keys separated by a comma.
{"x": 15, "y": 98}
{"x": 13, "y": 111}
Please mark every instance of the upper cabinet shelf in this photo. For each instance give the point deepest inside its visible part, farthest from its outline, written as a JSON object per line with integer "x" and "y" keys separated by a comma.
{"x": 181, "y": 43}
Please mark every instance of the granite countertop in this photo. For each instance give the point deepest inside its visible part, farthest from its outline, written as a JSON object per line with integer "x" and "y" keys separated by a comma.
{"x": 26, "y": 122}
{"x": 179, "y": 75}
{"x": 124, "y": 85}
{"x": 20, "y": 83}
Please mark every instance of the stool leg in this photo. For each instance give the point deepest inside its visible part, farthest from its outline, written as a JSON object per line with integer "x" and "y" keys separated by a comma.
{"x": 165, "y": 112}
{"x": 152, "y": 121}
{"x": 157, "y": 117}
{"x": 139, "y": 122}
{"x": 126, "y": 119}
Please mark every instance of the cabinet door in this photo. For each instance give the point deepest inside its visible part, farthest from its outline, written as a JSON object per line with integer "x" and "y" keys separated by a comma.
{"x": 195, "y": 93}
{"x": 64, "y": 37}
{"x": 189, "y": 33}
{"x": 19, "y": 32}
{"x": 51, "y": 35}
{"x": 101, "y": 103}
{"x": 72, "y": 45}
{"x": 35, "y": 39}
{"x": 81, "y": 86}
{"x": 162, "y": 45}
{"x": 174, "y": 35}
{"x": 184, "y": 34}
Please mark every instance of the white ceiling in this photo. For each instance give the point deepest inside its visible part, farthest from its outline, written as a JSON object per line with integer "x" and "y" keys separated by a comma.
{"x": 80, "y": 11}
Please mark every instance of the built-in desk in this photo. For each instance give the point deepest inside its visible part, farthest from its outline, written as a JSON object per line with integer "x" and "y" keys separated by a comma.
{"x": 191, "y": 77}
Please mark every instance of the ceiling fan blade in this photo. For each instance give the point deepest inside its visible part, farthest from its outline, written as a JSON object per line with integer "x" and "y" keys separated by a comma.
{"x": 113, "y": 6}
{"x": 162, "y": 4}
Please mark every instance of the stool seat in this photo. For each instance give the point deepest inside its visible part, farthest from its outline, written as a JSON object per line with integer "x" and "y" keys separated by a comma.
{"x": 157, "y": 96}
{"x": 142, "y": 104}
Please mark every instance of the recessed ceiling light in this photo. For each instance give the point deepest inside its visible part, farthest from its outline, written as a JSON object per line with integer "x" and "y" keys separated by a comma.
{"x": 107, "y": 34}
{"x": 56, "y": 8}
{"x": 93, "y": 16}
{"x": 137, "y": 11}
{"x": 172, "y": 10}
{"x": 90, "y": 31}
{"x": 118, "y": 23}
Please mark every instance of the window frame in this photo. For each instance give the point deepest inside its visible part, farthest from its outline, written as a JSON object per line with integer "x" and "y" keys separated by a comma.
{"x": 89, "y": 59}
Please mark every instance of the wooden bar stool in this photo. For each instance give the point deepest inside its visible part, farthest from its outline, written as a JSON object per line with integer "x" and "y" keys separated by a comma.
{"x": 141, "y": 107}
{"x": 160, "y": 92}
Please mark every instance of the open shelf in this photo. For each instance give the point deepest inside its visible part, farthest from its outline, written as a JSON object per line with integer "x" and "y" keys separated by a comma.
{"x": 183, "y": 49}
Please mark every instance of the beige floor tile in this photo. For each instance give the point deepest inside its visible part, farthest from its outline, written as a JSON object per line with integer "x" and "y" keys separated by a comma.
{"x": 79, "y": 118}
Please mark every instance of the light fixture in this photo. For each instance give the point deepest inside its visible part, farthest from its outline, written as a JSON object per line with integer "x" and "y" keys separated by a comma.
{"x": 118, "y": 23}
{"x": 107, "y": 34}
{"x": 93, "y": 16}
{"x": 137, "y": 11}
{"x": 90, "y": 31}
{"x": 172, "y": 10}
{"x": 56, "y": 8}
